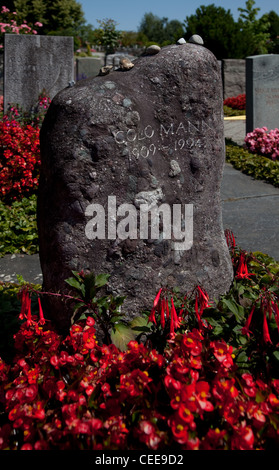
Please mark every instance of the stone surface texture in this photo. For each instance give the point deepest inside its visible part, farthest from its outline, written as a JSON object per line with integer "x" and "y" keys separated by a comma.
{"x": 234, "y": 77}
{"x": 33, "y": 64}
{"x": 155, "y": 131}
{"x": 262, "y": 92}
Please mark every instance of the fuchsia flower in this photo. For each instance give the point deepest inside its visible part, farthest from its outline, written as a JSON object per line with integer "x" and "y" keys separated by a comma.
{"x": 242, "y": 269}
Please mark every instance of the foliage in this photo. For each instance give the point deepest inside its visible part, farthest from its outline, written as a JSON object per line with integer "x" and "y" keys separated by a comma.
{"x": 19, "y": 158}
{"x": 230, "y": 112}
{"x": 18, "y": 227}
{"x": 107, "y": 35}
{"x": 228, "y": 38}
{"x": 254, "y": 165}
{"x": 272, "y": 20}
{"x": 263, "y": 142}
{"x": 254, "y": 32}
{"x": 10, "y": 23}
{"x": 213, "y": 384}
{"x": 217, "y": 28}
{"x": 10, "y": 304}
{"x": 20, "y": 150}
{"x": 160, "y": 31}
{"x": 236, "y": 102}
{"x": 57, "y": 16}
{"x": 104, "y": 309}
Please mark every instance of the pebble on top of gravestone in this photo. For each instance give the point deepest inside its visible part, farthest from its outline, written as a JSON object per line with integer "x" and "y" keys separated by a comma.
{"x": 118, "y": 146}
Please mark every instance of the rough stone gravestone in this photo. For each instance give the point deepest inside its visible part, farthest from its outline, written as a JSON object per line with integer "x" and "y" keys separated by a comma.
{"x": 262, "y": 92}
{"x": 33, "y": 63}
{"x": 148, "y": 137}
{"x": 88, "y": 67}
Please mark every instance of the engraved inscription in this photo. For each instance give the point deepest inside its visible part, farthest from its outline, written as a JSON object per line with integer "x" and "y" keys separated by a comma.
{"x": 167, "y": 139}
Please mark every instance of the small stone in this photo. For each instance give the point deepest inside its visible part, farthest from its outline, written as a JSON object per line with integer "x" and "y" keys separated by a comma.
{"x": 196, "y": 39}
{"x": 181, "y": 41}
{"x": 126, "y": 64}
{"x": 152, "y": 50}
{"x": 175, "y": 168}
{"x": 105, "y": 70}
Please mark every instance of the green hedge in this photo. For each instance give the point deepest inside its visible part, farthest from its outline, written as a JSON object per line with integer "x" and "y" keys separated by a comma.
{"x": 257, "y": 166}
{"x": 18, "y": 227}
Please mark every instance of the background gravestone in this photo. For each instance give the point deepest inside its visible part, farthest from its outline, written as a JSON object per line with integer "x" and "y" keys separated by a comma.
{"x": 234, "y": 77}
{"x": 88, "y": 67}
{"x": 152, "y": 133}
{"x": 33, "y": 63}
{"x": 262, "y": 92}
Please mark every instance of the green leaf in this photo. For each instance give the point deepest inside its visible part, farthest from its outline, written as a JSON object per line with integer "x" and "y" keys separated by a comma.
{"x": 140, "y": 324}
{"x": 121, "y": 335}
{"x": 73, "y": 282}
{"x": 101, "y": 280}
{"x": 236, "y": 309}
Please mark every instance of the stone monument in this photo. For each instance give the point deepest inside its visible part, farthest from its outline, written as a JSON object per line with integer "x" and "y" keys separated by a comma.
{"x": 126, "y": 153}
{"x": 262, "y": 92}
{"x": 33, "y": 64}
{"x": 87, "y": 67}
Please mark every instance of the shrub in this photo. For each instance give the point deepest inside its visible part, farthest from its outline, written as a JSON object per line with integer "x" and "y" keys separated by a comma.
{"x": 257, "y": 166}
{"x": 236, "y": 102}
{"x": 20, "y": 150}
{"x": 263, "y": 142}
{"x": 18, "y": 227}
{"x": 9, "y": 24}
{"x": 19, "y": 159}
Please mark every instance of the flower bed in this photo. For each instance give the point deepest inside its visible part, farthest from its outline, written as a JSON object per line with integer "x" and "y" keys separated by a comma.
{"x": 20, "y": 150}
{"x": 205, "y": 377}
{"x": 236, "y": 102}
{"x": 263, "y": 142}
{"x": 257, "y": 166}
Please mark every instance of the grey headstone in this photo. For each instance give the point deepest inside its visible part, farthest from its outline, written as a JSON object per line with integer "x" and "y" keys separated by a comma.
{"x": 152, "y": 134}
{"x": 234, "y": 77}
{"x": 262, "y": 92}
{"x": 33, "y": 64}
{"x": 87, "y": 67}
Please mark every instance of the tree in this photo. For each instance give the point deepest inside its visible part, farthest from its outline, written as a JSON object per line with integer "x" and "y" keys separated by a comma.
{"x": 273, "y": 20}
{"x": 160, "y": 30}
{"x": 57, "y": 16}
{"x": 217, "y": 28}
{"x": 254, "y": 32}
{"x": 107, "y": 35}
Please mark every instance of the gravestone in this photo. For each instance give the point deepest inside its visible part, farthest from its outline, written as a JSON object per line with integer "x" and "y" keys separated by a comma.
{"x": 262, "y": 92}
{"x": 88, "y": 67}
{"x": 34, "y": 63}
{"x": 115, "y": 147}
{"x": 234, "y": 77}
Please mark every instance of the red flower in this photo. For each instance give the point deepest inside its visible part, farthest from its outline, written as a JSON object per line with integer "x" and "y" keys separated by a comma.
{"x": 41, "y": 313}
{"x": 245, "y": 329}
{"x": 202, "y": 394}
{"x": 242, "y": 270}
{"x": 156, "y": 300}
{"x": 266, "y": 335}
{"x": 222, "y": 352}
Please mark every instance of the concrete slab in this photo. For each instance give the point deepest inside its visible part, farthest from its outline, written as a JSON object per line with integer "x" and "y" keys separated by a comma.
{"x": 250, "y": 209}
{"x": 28, "y": 266}
{"x": 235, "y": 129}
